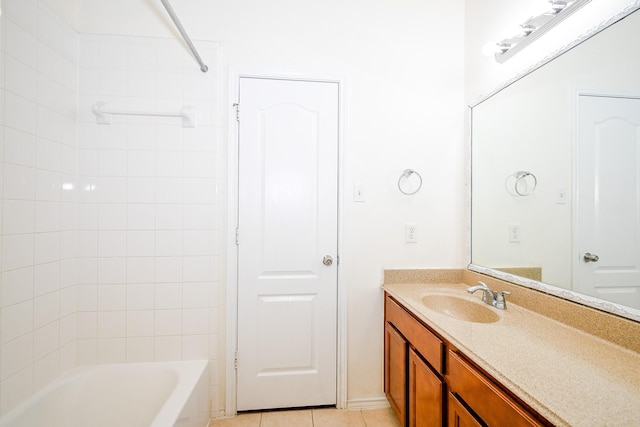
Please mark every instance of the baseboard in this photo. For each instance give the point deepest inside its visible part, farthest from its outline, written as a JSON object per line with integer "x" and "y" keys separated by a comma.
{"x": 373, "y": 403}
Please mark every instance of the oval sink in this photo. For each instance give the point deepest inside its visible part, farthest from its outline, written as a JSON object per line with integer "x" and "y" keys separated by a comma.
{"x": 461, "y": 309}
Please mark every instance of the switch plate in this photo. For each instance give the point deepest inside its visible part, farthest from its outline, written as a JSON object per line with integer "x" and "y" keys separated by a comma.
{"x": 411, "y": 233}
{"x": 358, "y": 193}
{"x": 561, "y": 196}
{"x": 514, "y": 233}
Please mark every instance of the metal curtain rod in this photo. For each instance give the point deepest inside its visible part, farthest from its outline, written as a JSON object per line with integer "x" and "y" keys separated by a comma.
{"x": 185, "y": 36}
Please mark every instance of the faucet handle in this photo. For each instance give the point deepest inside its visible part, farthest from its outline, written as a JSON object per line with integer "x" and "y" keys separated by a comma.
{"x": 501, "y": 302}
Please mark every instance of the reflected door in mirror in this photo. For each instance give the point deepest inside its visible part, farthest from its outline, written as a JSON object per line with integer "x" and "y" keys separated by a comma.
{"x": 608, "y": 202}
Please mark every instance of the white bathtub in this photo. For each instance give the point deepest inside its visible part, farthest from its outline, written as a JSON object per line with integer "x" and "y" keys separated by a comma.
{"x": 164, "y": 394}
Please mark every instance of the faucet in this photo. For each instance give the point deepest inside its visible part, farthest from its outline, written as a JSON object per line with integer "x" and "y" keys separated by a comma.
{"x": 493, "y": 298}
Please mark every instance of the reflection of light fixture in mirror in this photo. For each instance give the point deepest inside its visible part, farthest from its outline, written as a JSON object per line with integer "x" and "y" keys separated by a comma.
{"x": 552, "y": 13}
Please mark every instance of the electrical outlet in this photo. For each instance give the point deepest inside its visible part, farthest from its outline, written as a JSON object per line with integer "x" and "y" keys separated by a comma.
{"x": 514, "y": 233}
{"x": 411, "y": 233}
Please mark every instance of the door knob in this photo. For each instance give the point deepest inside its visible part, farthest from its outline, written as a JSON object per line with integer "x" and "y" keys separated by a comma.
{"x": 327, "y": 260}
{"x": 590, "y": 257}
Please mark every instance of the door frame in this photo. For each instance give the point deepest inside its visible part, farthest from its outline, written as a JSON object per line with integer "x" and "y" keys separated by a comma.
{"x": 231, "y": 301}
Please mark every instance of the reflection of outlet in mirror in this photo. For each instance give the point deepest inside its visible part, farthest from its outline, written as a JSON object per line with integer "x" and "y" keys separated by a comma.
{"x": 514, "y": 233}
{"x": 411, "y": 233}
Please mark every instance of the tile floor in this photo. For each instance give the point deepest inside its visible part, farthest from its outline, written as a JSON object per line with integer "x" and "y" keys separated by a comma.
{"x": 312, "y": 418}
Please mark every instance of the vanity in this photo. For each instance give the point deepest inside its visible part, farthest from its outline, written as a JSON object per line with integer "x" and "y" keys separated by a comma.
{"x": 451, "y": 359}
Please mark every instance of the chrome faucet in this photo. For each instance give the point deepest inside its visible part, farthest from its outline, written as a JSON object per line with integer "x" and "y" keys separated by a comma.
{"x": 493, "y": 298}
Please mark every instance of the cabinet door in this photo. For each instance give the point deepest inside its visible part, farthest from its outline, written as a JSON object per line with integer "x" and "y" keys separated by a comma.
{"x": 395, "y": 371}
{"x": 459, "y": 416}
{"x": 425, "y": 394}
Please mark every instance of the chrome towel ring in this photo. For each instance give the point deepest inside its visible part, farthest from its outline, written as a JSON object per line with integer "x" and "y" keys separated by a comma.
{"x": 409, "y": 186}
{"x": 525, "y": 183}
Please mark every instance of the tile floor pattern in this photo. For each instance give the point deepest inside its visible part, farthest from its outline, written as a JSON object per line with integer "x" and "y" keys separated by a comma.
{"x": 312, "y": 418}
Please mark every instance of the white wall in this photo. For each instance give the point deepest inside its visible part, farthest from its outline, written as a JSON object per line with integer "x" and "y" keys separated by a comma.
{"x": 38, "y": 157}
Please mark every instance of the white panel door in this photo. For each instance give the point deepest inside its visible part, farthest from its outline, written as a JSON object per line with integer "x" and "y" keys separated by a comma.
{"x": 288, "y": 224}
{"x": 608, "y": 202}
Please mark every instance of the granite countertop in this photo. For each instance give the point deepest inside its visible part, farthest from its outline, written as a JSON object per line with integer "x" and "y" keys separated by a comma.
{"x": 570, "y": 377}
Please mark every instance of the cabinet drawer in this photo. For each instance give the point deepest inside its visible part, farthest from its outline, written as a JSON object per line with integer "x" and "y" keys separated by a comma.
{"x": 425, "y": 342}
{"x": 481, "y": 394}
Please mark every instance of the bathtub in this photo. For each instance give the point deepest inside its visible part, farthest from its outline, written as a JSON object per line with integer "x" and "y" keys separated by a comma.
{"x": 159, "y": 394}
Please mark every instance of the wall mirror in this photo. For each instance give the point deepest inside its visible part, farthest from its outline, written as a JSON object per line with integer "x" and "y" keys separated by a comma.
{"x": 555, "y": 173}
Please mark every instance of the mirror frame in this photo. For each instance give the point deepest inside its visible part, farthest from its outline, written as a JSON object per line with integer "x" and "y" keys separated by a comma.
{"x": 597, "y": 303}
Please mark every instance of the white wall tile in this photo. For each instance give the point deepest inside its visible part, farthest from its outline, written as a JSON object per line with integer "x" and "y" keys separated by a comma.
{"x": 19, "y": 147}
{"x": 141, "y": 216}
{"x": 16, "y": 355}
{"x": 112, "y": 270}
{"x": 46, "y": 278}
{"x": 112, "y": 244}
{"x": 46, "y": 309}
{"x": 112, "y": 350}
{"x": 112, "y": 163}
{"x": 112, "y": 324}
{"x": 112, "y": 190}
{"x": 196, "y": 295}
{"x": 47, "y": 247}
{"x": 140, "y": 270}
{"x": 17, "y": 286}
{"x": 18, "y": 217}
{"x": 140, "y": 296}
{"x": 168, "y": 269}
{"x": 87, "y": 297}
{"x": 140, "y": 190}
{"x": 20, "y": 44}
{"x": 17, "y": 320}
{"x": 21, "y": 386}
{"x": 168, "y": 348}
{"x": 86, "y": 351}
{"x": 168, "y": 243}
{"x": 112, "y": 216}
{"x": 195, "y": 321}
{"x": 195, "y": 347}
{"x": 140, "y": 323}
{"x": 168, "y": 322}
{"x": 140, "y": 349}
{"x": 45, "y": 340}
{"x": 168, "y": 295}
{"x": 112, "y": 298}
{"x": 47, "y": 217}
{"x": 20, "y": 78}
{"x": 46, "y": 370}
{"x": 17, "y": 251}
{"x": 169, "y": 216}
{"x": 140, "y": 243}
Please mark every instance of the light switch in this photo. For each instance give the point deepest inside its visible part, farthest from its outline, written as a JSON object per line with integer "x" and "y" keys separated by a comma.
{"x": 358, "y": 193}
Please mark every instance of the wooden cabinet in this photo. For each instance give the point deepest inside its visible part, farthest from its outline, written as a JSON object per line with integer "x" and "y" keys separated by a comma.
{"x": 414, "y": 359}
{"x": 429, "y": 383}
{"x": 426, "y": 391}
{"x": 458, "y": 415}
{"x": 395, "y": 368}
{"x": 485, "y": 398}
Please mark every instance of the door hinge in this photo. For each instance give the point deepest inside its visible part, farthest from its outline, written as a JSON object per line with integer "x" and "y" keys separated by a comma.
{"x": 237, "y": 106}
{"x": 237, "y": 236}
{"x": 235, "y": 360}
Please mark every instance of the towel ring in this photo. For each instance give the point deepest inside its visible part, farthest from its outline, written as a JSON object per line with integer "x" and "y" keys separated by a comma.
{"x": 402, "y": 181}
{"x": 522, "y": 181}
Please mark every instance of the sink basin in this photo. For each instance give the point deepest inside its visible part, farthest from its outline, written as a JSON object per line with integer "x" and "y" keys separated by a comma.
{"x": 460, "y": 308}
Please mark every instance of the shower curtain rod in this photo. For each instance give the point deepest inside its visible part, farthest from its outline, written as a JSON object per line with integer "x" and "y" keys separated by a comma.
{"x": 185, "y": 36}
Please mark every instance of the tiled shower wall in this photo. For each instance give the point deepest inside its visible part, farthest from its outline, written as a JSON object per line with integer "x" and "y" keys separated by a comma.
{"x": 109, "y": 232}
{"x": 38, "y": 114}
{"x": 147, "y": 204}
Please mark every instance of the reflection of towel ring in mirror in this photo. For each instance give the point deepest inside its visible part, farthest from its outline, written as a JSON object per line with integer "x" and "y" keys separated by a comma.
{"x": 404, "y": 184}
{"x": 523, "y": 185}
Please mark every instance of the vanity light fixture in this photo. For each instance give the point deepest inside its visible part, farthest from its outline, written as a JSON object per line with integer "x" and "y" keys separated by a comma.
{"x": 552, "y": 13}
